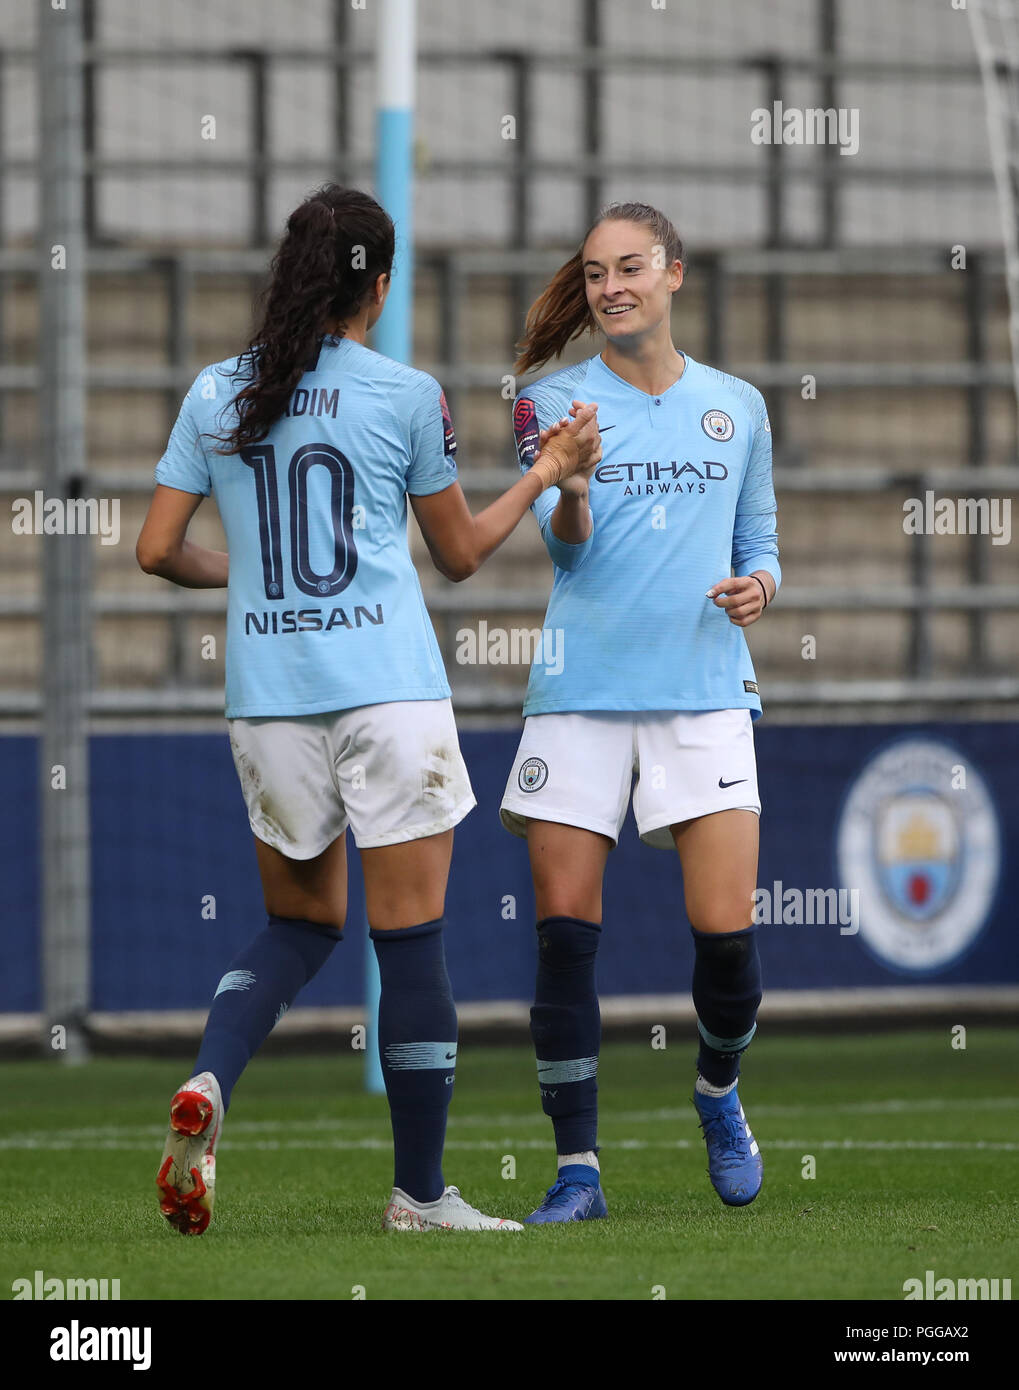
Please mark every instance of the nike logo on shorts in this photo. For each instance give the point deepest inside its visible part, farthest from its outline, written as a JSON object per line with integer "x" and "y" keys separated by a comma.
{"x": 723, "y": 785}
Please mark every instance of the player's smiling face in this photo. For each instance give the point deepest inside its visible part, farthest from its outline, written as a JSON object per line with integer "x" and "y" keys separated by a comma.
{"x": 629, "y": 288}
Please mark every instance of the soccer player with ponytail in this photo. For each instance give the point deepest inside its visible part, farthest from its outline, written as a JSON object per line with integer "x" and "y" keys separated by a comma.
{"x": 336, "y": 697}
{"x": 661, "y": 559}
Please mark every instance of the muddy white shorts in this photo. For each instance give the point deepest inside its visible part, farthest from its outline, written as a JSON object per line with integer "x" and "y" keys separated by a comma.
{"x": 577, "y": 769}
{"x": 393, "y": 772}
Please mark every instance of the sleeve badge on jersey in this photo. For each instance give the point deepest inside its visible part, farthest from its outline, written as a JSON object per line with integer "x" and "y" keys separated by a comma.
{"x": 525, "y": 429}
{"x": 448, "y": 437}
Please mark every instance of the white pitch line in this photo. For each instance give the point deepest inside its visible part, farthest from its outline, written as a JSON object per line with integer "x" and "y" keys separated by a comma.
{"x": 876, "y": 1107}
{"x": 625, "y": 1117}
{"x": 510, "y": 1143}
{"x": 785, "y": 1112}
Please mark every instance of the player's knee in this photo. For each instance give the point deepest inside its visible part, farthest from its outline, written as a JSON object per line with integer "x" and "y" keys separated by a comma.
{"x": 722, "y": 916}
{"x": 565, "y": 943}
{"x": 313, "y": 925}
{"x": 311, "y": 915}
{"x": 332, "y": 917}
{"x": 581, "y": 903}
{"x": 728, "y": 962}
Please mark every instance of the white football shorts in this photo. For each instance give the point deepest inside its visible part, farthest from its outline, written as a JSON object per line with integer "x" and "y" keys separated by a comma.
{"x": 393, "y": 772}
{"x": 577, "y": 769}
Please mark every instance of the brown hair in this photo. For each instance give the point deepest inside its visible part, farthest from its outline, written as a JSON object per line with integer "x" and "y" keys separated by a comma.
{"x": 314, "y": 278}
{"x": 561, "y": 313}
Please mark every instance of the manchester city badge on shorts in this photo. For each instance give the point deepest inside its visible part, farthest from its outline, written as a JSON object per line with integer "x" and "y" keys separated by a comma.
{"x": 919, "y": 838}
{"x": 533, "y": 775}
{"x": 717, "y": 425}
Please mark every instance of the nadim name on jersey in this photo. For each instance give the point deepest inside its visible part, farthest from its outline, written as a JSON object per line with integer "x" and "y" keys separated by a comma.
{"x": 272, "y": 621}
{"x": 317, "y": 401}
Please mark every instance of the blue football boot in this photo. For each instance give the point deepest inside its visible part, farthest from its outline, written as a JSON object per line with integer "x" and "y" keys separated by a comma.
{"x": 734, "y": 1160}
{"x": 569, "y": 1199}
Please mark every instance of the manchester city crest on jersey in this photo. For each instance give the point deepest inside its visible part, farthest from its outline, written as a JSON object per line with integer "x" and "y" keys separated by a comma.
{"x": 919, "y": 838}
{"x": 717, "y": 425}
{"x": 533, "y": 775}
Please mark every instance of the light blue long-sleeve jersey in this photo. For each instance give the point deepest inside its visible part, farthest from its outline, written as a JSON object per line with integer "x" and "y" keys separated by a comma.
{"x": 324, "y": 607}
{"x": 682, "y": 498}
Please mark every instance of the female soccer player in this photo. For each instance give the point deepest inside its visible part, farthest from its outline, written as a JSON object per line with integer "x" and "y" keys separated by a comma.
{"x": 336, "y": 697}
{"x": 658, "y": 679}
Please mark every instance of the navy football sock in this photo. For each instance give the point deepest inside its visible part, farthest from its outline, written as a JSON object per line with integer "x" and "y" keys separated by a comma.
{"x": 417, "y": 1046}
{"x": 726, "y": 994}
{"x": 566, "y": 1029}
{"x": 256, "y": 992}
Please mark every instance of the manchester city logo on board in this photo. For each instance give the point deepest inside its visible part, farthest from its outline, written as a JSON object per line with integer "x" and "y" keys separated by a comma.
{"x": 919, "y": 838}
{"x": 533, "y": 775}
{"x": 717, "y": 425}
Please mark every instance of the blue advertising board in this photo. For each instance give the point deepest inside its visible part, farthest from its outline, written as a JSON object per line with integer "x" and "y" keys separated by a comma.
{"x": 883, "y": 862}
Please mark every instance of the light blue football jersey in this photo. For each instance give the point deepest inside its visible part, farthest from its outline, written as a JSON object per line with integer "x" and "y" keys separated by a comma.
{"x": 324, "y": 606}
{"x": 682, "y": 499}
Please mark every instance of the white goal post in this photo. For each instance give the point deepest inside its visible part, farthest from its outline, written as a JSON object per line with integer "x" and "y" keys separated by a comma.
{"x": 995, "y": 28}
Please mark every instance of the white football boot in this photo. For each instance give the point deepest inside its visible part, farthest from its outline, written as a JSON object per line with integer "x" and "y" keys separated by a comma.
{"x": 187, "y": 1171}
{"x": 447, "y": 1213}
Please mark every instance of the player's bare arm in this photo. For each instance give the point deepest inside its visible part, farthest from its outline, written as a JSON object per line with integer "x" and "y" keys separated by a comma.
{"x": 460, "y": 543}
{"x": 163, "y": 547}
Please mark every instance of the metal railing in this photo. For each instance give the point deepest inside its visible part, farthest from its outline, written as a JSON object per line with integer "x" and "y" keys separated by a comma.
{"x": 776, "y": 265}
{"x": 183, "y": 272}
{"x": 769, "y": 75}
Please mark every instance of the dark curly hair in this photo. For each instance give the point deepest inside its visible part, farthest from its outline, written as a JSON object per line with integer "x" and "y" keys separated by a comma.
{"x": 336, "y": 245}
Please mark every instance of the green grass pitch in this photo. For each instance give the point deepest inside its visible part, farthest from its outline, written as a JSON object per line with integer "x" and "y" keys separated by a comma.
{"x": 915, "y": 1147}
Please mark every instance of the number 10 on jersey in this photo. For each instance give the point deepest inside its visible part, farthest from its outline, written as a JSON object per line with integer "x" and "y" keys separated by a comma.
{"x": 261, "y": 459}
